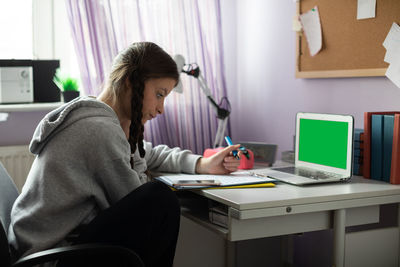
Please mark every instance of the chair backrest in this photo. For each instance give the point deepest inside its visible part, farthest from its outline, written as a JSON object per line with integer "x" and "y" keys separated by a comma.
{"x": 8, "y": 194}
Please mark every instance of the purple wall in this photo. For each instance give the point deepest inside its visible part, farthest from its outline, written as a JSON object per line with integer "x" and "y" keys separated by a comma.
{"x": 19, "y": 127}
{"x": 266, "y": 95}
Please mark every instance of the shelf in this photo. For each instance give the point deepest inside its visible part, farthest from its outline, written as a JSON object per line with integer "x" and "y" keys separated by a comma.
{"x": 29, "y": 107}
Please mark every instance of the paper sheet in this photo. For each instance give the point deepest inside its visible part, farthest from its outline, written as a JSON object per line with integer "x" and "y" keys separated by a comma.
{"x": 296, "y": 25}
{"x": 3, "y": 116}
{"x": 392, "y": 56}
{"x": 312, "y": 29}
{"x": 392, "y": 43}
{"x": 393, "y": 72}
{"x": 366, "y": 9}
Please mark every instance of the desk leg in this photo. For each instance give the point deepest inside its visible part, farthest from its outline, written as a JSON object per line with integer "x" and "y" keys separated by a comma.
{"x": 339, "y": 227}
{"x": 230, "y": 256}
{"x": 398, "y": 228}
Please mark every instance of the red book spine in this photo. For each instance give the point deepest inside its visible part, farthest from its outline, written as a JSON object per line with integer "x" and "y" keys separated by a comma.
{"x": 367, "y": 145}
{"x": 395, "y": 168}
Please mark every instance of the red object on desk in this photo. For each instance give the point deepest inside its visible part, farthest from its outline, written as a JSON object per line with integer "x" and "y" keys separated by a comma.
{"x": 245, "y": 163}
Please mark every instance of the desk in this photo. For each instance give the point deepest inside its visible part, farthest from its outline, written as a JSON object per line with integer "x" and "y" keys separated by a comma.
{"x": 288, "y": 209}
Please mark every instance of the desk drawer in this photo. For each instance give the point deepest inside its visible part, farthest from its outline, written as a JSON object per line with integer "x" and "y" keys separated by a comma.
{"x": 297, "y": 223}
{"x": 278, "y": 225}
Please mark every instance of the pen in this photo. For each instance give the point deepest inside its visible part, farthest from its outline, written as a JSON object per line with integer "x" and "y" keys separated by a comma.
{"x": 197, "y": 183}
{"x": 229, "y": 142}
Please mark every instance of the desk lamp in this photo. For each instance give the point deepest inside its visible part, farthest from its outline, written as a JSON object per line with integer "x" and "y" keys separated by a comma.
{"x": 222, "y": 113}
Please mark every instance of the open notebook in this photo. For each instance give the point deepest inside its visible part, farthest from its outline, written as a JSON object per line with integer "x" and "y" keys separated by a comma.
{"x": 324, "y": 148}
{"x": 201, "y": 181}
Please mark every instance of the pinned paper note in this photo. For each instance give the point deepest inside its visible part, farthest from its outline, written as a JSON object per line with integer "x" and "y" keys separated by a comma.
{"x": 392, "y": 56}
{"x": 393, "y": 72}
{"x": 366, "y": 9}
{"x": 312, "y": 29}
{"x": 296, "y": 26}
{"x": 392, "y": 43}
{"x": 3, "y": 116}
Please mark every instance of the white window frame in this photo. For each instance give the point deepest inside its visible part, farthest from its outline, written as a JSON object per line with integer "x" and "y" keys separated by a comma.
{"x": 51, "y": 35}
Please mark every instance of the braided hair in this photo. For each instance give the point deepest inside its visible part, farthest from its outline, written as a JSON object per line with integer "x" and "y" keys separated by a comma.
{"x": 136, "y": 64}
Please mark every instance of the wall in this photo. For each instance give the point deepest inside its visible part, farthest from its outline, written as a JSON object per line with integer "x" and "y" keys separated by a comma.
{"x": 264, "y": 93}
{"x": 19, "y": 127}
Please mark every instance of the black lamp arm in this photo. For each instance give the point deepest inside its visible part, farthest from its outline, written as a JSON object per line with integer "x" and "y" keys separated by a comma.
{"x": 194, "y": 70}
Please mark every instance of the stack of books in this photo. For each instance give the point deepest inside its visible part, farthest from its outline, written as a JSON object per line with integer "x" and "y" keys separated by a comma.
{"x": 358, "y": 151}
{"x": 382, "y": 146}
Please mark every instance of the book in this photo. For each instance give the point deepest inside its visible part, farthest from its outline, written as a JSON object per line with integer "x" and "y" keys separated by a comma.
{"x": 395, "y": 167}
{"x": 239, "y": 179}
{"x": 388, "y": 123}
{"x": 357, "y": 161}
{"x": 357, "y": 144}
{"x": 367, "y": 139}
{"x": 258, "y": 185}
{"x": 357, "y": 134}
{"x": 356, "y": 168}
{"x": 376, "y": 146}
{"x": 356, "y": 153}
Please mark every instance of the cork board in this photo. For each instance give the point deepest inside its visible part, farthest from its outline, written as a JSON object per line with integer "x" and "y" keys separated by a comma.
{"x": 350, "y": 47}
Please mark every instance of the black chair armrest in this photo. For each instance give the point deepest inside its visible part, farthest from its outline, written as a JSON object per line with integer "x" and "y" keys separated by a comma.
{"x": 86, "y": 250}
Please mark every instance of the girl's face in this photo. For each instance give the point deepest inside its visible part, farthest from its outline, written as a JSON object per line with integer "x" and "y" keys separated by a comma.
{"x": 155, "y": 92}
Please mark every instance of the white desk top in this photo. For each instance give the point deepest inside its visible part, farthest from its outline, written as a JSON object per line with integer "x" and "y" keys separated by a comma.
{"x": 286, "y": 195}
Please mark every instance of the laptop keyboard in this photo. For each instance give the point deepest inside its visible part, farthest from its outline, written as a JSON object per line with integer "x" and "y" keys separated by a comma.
{"x": 316, "y": 175}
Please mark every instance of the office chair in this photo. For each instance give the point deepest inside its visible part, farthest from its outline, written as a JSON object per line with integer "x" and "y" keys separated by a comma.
{"x": 8, "y": 194}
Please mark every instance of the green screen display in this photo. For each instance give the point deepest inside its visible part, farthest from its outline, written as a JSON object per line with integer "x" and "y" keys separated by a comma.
{"x": 323, "y": 142}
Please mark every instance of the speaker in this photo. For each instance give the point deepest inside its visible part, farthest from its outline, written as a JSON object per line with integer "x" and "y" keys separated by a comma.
{"x": 44, "y": 89}
{"x": 16, "y": 82}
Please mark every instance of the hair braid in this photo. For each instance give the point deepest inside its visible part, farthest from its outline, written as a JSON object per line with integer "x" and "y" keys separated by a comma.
{"x": 136, "y": 128}
{"x": 137, "y": 64}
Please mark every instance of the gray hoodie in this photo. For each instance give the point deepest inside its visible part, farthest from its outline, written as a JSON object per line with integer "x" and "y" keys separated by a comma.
{"x": 82, "y": 166}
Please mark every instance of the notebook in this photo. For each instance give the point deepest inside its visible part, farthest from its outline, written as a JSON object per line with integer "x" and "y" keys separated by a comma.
{"x": 323, "y": 150}
{"x": 239, "y": 179}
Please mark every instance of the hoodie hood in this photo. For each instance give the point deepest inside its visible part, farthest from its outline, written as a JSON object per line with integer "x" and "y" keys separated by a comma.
{"x": 64, "y": 116}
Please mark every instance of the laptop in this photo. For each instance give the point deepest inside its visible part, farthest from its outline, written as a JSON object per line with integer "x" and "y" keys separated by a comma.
{"x": 323, "y": 150}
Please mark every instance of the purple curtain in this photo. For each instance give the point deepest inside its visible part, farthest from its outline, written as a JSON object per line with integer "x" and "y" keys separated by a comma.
{"x": 191, "y": 28}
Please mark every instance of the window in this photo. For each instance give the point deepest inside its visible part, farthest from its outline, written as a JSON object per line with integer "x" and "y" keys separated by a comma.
{"x": 16, "y": 29}
{"x": 37, "y": 29}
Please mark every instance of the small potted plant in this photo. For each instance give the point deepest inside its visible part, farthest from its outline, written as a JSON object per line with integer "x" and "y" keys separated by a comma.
{"x": 69, "y": 86}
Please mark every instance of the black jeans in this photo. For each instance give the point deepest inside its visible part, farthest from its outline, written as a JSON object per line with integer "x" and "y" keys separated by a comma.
{"x": 146, "y": 221}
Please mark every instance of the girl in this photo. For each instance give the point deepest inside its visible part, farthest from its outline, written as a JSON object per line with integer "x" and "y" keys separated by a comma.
{"x": 91, "y": 173}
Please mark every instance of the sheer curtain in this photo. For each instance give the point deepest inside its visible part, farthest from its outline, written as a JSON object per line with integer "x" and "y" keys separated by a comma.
{"x": 191, "y": 28}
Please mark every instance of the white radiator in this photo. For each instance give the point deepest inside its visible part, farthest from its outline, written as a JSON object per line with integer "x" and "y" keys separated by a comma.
{"x": 18, "y": 161}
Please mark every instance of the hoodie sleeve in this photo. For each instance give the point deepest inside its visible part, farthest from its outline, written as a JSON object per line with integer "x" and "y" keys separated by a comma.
{"x": 111, "y": 163}
{"x": 164, "y": 159}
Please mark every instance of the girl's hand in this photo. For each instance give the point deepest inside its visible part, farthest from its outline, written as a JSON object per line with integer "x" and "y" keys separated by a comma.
{"x": 222, "y": 162}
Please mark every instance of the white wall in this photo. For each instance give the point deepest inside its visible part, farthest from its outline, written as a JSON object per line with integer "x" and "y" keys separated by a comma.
{"x": 267, "y": 94}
